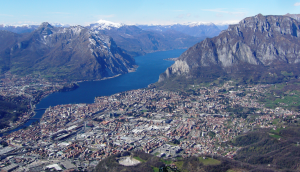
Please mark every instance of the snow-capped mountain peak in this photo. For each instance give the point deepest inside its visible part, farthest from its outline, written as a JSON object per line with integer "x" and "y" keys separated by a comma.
{"x": 193, "y": 24}
{"x": 103, "y": 25}
{"x": 15, "y": 26}
{"x": 227, "y": 22}
{"x": 60, "y": 25}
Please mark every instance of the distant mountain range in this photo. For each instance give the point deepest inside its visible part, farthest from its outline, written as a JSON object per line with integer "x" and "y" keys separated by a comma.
{"x": 196, "y": 29}
{"x": 136, "y": 41}
{"x": 19, "y": 29}
{"x": 26, "y": 28}
{"x": 264, "y": 49}
{"x": 141, "y": 39}
{"x": 102, "y": 49}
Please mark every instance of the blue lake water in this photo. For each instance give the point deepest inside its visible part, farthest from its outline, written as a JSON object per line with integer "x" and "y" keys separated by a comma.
{"x": 150, "y": 67}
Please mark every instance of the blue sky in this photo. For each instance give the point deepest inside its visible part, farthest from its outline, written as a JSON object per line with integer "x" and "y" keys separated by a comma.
{"x": 79, "y": 12}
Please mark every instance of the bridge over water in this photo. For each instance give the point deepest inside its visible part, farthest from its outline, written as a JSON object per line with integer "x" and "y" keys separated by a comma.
{"x": 40, "y": 109}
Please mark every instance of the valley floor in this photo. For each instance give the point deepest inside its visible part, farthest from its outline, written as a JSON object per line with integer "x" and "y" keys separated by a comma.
{"x": 198, "y": 121}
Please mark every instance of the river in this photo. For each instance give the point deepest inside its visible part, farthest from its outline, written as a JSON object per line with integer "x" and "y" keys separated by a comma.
{"x": 150, "y": 66}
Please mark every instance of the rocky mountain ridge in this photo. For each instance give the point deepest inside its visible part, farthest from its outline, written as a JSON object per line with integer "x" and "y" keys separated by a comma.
{"x": 295, "y": 16}
{"x": 134, "y": 40}
{"x": 256, "y": 42}
{"x": 73, "y": 53}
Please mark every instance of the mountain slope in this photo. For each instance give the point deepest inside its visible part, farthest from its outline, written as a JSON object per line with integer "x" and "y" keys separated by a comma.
{"x": 66, "y": 53}
{"x": 136, "y": 41}
{"x": 7, "y": 40}
{"x": 258, "y": 49}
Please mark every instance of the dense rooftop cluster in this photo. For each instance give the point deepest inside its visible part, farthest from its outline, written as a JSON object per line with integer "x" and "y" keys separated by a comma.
{"x": 166, "y": 124}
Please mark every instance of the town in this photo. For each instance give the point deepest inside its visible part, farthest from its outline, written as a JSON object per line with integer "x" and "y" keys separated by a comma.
{"x": 27, "y": 91}
{"x": 164, "y": 123}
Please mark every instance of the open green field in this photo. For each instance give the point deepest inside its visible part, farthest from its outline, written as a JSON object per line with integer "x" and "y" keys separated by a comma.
{"x": 209, "y": 161}
{"x": 166, "y": 161}
{"x": 139, "y": 159}
{"x": 179, "y": 165}
{"x": 283, "y": 95}
{"x": 288, "y": 101}
{"x": 230, "y": 170}
{"x": 155, "y": 169}
{"x": 275, "y": 136}
{"x": 276, "y": 131}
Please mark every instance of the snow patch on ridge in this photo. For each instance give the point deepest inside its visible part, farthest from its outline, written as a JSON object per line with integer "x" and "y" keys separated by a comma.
{"x": 76, "y": 30}
{"x": 228, "y": 22}
{"x": 193, "y": 24}
{"x": 103, "y": 25}
{"x": 16, "y": 26}
{"x": 60, "y": 25}
{"x": 92, "y": 41}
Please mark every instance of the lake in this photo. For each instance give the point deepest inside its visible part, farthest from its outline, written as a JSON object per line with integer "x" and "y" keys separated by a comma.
{"x": 150, "y": 67}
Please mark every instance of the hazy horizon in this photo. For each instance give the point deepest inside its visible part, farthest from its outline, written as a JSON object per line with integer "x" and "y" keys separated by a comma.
{"x": 139, "y": 12}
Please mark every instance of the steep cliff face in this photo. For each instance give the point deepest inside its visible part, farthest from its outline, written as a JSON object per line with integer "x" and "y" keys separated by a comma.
{"x": 259, "y": 41}
{"x": 74, "y": 53}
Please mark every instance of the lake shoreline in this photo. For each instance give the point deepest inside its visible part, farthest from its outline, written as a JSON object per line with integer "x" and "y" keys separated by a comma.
{"x": 146, "y": 72}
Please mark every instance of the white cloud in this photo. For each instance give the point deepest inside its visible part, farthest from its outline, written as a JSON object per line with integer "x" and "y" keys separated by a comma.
{"x": 177, "y": 10}
{"x": 22, "y": 23}
{"x": 105, "y": 16}
{"x": 28, "y": 22}
{"x": 228, "y": 22}
{"x": 219, "y": 15}
{"x": 297, "y": 4}
{"x": 59, "y": 13}
{"x": 153, "y": 22}
{"x": 220, "y": 10}
{"x": 184, "y": 15}
{"x": 6, "y": 15}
